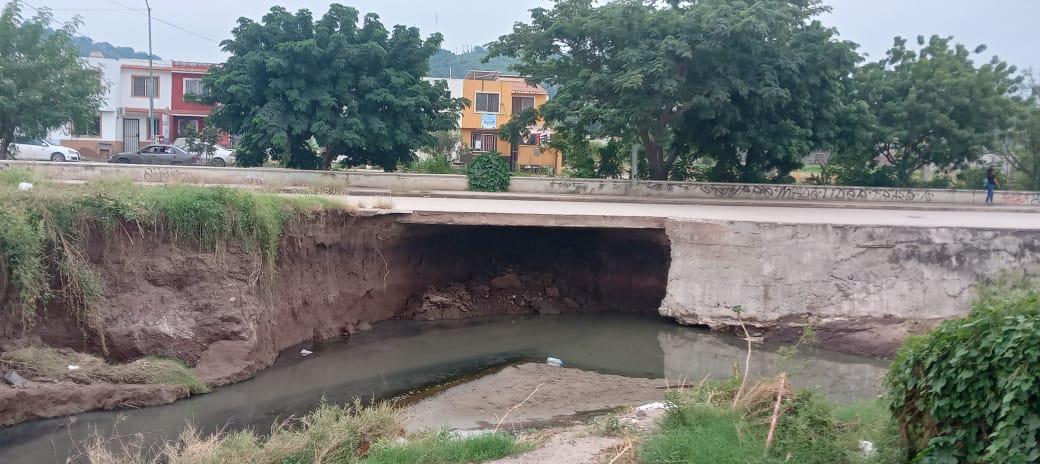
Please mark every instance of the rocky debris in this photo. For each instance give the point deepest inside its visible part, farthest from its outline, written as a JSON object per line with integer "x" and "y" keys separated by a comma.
{"x": 507, "y": 281}
{"x": 546, "y": 307}
{"x": 552, "y": 292}
{"x": 13, "y": 379}
{"x": 364, "y": 326}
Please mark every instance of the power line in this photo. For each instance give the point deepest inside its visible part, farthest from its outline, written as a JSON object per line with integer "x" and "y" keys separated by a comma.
{"x": 182, "y": 29}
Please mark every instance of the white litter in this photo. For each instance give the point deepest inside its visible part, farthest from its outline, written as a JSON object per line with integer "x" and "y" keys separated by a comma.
{"x": 24, "y": 186}
{"x": 73, "y": 367}
{"x": 306, "y": 352}
{"x": 866, "y": 448}
{"x": 653, "y": 406}
{"x": 555, "y": 362}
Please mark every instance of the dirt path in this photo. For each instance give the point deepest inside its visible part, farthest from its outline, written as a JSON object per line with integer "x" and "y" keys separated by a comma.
{"x": 562, "y": 394}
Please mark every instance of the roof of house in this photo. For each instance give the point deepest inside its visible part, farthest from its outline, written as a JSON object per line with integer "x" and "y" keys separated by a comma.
{"x": 517, "y": 82}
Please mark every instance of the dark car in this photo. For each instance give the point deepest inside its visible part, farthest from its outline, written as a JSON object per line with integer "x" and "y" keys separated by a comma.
{"x": 156, "y": 154}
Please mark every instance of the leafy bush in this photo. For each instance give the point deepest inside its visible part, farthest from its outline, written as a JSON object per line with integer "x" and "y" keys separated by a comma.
{"x": 488, "y": 173}
{"x": 435, "y": 164}
{"x": 968, "y": 391}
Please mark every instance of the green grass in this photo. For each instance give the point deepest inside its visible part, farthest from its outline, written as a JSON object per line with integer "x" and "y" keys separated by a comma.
{"x": 52, "y": 364}
{"x": 43, "y": 233}
{"x": 434, "y": 164}
{"x": 331, "y": 434}
{"x": 444, "y": 449}
{"x": 704, "y": 426}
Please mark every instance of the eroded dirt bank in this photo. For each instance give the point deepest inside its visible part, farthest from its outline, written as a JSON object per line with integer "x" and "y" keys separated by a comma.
{"x": 227, "y": 317}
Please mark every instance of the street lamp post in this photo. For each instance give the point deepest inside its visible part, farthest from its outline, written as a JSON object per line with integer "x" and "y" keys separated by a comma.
{"x": 152, "y": 85}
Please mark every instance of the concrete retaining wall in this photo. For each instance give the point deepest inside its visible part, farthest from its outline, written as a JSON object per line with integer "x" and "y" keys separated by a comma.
{"x": 397, "y": 182}
{"x": 827, "y": 272}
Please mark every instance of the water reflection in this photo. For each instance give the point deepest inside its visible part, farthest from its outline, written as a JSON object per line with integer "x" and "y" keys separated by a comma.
{"x": 400, "y": 355}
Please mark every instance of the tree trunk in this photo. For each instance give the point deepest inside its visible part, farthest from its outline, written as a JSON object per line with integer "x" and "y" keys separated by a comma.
{"x": 6, "y": 139}
{"x": 658, "y": 167}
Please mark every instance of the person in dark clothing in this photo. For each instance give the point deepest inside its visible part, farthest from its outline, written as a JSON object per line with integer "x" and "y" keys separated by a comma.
{"x": 991, "y": 184}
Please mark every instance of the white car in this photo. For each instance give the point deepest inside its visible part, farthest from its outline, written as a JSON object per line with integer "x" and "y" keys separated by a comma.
{"x": 25, "y": 148}
{"x": 221, "y": 156}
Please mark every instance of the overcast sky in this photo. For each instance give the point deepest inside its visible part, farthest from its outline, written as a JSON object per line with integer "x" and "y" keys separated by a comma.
{"x": 1008, "y": 27}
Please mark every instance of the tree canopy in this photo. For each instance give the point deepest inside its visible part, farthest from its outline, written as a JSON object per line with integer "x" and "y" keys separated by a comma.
{"x": 933, "y": 106}
{"x": 43, "y": 82}
{"x": 353, "y": 90}
{"x": 750, "y": 83}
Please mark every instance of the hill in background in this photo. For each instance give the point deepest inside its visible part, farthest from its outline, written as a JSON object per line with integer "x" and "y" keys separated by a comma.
{"x": 87, "y": 46}
{"x": 442, "y": 64}
{"x": 448, "y": 64}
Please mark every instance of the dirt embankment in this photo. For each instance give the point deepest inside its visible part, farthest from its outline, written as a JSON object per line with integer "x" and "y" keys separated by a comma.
{"x": 227, "y": 317}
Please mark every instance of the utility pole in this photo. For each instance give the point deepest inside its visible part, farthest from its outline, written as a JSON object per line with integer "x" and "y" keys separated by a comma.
{"x": 634, "y": 172}
{"x": 152, "y": 86}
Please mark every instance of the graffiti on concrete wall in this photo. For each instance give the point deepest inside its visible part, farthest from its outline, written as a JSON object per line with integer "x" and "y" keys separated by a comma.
{"x": 1019, "y": 198}
{"x": 794, "y": 192}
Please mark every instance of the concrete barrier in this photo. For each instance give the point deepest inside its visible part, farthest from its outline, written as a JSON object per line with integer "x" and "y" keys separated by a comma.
{"x": 400, "y": 182}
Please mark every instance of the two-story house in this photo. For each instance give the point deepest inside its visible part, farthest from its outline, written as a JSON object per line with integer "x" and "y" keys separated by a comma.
{"x": 494, "y": 98}
{"x": 122, "y": 121}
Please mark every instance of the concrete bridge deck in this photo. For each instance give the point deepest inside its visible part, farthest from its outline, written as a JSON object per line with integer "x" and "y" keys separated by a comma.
{"x": 628, "y": 215}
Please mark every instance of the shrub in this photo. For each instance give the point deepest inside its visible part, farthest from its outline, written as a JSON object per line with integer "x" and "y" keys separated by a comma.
{"x": 435, "y": 164}
{"x": 968, "y": 391}
{"x": 488, "y": 173}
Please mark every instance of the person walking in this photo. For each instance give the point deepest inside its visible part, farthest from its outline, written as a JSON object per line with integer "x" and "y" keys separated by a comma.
{"x": 991, "y": 184}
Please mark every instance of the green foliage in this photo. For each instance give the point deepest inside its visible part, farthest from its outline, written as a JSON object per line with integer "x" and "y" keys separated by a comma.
{"x": 1020, "y": 145}
{"x": 718, "y": 78}
{"x": 704, "y": 426}
{"x": 50, "y": 364}
{"x": 488, "y": 172}
{"x": 44, "y": 83}
{"x": 203, "y": 143}
{"x": 434, "y": 164}
{"x": 441, "y": 448}
{"x": 967, "y": 392}
{"x": 932, "y": 106}
{"x": 591, "y": 159}
{"x": 352, "y": 88}
{"x": 43, "y": 234}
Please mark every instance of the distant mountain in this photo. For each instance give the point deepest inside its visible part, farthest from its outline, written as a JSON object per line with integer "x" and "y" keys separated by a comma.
{"x": 87, "y": 46}
{"x": 448, "y": 64}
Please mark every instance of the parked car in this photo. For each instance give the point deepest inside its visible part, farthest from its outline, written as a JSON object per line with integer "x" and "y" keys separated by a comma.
{"x": 156, "y": 154}
{"x": 221, "y": 155}
{"x": 25, "y": 148}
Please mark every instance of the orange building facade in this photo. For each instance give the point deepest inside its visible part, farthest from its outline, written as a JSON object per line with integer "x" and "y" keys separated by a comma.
{"x": 494, "y": 99}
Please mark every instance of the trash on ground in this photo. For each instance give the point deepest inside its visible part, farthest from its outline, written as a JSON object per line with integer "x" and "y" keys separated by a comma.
{"x": 555, "y": 362}
{"x": 73, "y": 367}
{"x": 24, "y": 186}
{"x": 306, "y": 352}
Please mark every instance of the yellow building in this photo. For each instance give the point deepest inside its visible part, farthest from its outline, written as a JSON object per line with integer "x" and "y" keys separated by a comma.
{"x": 494, "y": 98}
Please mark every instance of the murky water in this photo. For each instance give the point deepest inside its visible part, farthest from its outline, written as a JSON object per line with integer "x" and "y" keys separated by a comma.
{"x": 398, "y": 356}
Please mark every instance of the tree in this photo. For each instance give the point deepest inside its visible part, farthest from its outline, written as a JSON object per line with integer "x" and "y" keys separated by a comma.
{"x": 729, "y": 79}
{"x": 43, "y": 82}
{"x": 932, "y": 107}
{"x": 202, "y": 143}
{"x": 292, "y": 83}
{"x": 1020, "y": 145}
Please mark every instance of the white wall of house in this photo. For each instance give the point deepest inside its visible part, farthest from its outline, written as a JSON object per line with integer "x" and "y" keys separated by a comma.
{"x": 124, "y": 94}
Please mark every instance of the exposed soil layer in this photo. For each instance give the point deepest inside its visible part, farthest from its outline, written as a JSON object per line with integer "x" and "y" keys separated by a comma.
{"x": 41, "y": 400}
{"x": 878, "y": 338}
{"x": 227, "y": 316}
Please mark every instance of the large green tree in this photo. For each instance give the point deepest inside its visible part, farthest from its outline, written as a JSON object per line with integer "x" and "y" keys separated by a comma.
{"x": 1020, "y": 145}
{"x": 751, "y": 83}
{"x": 933, "y": 106}
{"x": 351, "y": 89}
{"x": 43, "y": 83}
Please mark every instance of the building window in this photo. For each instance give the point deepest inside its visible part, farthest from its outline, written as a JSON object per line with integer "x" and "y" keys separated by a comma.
{"x": 193, "y": 88}
{"x": 141, "y": 87}
{"x": 484, "y": 141}
{"x": 522, "y": 103}
{"x": 90, "y": 129}
{"x": 487, "y": 102}
{"x": 187, "y": 126}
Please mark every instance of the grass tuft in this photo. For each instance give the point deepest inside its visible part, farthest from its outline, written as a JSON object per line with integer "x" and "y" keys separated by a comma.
{"x": 53, "y": 364}
{"x": 441, "y": 448}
